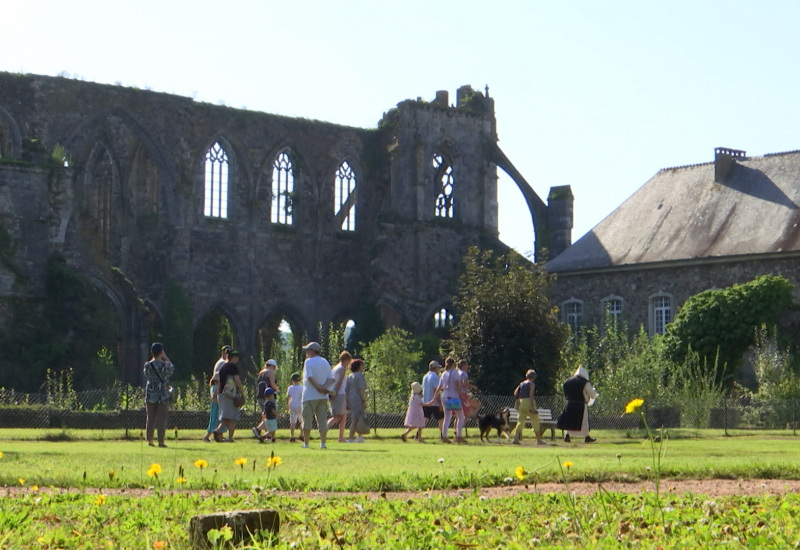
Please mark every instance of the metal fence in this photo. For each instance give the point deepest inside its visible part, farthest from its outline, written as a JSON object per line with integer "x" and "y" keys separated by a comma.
{"x": 122, "y": 407}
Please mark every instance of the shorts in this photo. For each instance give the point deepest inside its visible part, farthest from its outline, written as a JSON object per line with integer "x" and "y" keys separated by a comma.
{"x": 296, "y": 416}
{"x": 315, "y": 408}
{"x": 261, "y": 402}
{"x": 339, "y": 404}
{"x": 432, "y": 411}
{"x": 272, "y": 425}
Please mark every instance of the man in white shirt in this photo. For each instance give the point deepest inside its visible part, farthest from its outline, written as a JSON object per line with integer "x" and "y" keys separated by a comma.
{"x": 317, "y": 386}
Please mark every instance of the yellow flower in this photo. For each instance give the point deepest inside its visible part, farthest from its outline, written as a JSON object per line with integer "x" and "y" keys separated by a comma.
{"x": 633, "y": 406}
{"x": 35, "y": 488}
{"x": 154, "y": 470}
{"x": 101, "y": 499}
{"x": 1, "y": 454}
{"x": 111, "y": 475}
{"x": 520, "y": 472}
{"x": 180, "y": 480}
{"x": 21, "y": 481}
{"x": 240, "y": 461}
{"x": 274, "y": 462}
{"x": 200, "y": 463}
{"x": 567, "y": 465}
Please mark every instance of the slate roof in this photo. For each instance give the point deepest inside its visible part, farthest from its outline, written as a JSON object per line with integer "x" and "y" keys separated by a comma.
{"x": 682, "y": 213}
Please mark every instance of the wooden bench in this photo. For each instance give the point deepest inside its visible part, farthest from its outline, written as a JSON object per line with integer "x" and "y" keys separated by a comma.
{"x": 546, "y": 421}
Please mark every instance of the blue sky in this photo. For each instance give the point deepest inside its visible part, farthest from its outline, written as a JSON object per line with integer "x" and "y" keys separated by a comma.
{"x": 596, "y": 95}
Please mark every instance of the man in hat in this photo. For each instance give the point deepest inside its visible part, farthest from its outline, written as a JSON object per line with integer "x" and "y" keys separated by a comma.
{"x": 317, "y": 387}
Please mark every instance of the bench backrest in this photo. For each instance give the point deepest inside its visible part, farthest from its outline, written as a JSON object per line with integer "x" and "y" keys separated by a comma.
{"x": 545, "y": 415}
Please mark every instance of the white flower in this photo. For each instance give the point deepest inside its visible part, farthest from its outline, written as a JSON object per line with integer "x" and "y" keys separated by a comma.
{"x": 441, "y": 461}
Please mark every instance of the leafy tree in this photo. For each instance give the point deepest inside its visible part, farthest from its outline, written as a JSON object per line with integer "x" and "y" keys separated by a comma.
{"x": 721, "y": 324}
{"x": 179, "y": 331}
{"x": 393, "y": 360}
{"x": 506, "y": 323}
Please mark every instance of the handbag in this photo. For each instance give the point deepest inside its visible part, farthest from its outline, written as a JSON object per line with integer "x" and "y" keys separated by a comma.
{"x": 238, "y": 401}
{"x": 362, "y": 425}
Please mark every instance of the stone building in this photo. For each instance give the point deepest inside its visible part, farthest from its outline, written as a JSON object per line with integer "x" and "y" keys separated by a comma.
{"x": 257, "y": 217}
{"x": 688, "y": 229}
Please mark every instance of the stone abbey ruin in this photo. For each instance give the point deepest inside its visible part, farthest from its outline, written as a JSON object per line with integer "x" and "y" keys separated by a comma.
{"x": 255, "y": 216}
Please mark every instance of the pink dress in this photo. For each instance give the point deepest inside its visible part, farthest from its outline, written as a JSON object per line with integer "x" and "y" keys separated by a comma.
{"x": 415, "y": 418}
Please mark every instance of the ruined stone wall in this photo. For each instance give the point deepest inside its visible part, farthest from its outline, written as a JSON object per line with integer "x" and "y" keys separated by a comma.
{"x": 130, "y": 203}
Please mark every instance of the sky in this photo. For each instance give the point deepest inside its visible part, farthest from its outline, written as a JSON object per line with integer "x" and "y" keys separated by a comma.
{"x": 595, "y": 95}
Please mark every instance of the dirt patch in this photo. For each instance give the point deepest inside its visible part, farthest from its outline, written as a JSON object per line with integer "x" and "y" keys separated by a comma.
{"x": 707, "y": 487}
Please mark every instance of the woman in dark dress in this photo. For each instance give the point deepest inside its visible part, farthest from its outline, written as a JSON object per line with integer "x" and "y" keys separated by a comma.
{"x": 579, "y": 394}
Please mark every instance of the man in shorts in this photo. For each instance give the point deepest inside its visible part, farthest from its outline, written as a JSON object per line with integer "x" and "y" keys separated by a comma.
{"x": 429, "y": 384}
{"x": 317, "y": 387}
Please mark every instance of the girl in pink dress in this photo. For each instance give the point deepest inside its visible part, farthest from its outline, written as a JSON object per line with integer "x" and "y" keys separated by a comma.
{"x": 415, "y": 418}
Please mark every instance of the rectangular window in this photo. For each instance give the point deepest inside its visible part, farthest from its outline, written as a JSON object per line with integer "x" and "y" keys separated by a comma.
{"x": 662, "y": 313}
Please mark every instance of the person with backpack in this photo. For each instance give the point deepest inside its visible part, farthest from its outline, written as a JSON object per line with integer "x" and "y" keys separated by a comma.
{"x": 265, "y": 380}
{"x": 157, "y": 372}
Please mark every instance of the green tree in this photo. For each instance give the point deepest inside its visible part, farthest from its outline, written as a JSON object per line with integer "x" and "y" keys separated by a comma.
{"x": 506, "y": 323}
{"x": 720, "y": 325}
{"x": 179, "y": 331}
{"x": 393, "y": 361}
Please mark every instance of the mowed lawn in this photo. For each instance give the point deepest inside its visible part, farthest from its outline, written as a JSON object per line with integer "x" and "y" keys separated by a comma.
{"x": 103, "y": 459}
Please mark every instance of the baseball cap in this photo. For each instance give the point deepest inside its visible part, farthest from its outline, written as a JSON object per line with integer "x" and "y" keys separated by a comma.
{"x": 232, "y": 352}
{"x": 272, "y": 362}
{"x": 312, "y": 346}
{"x": 269, "y": 391}
{"x": 434, "y": 364}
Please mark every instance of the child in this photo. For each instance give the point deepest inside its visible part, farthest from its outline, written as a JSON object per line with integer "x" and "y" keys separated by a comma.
{"x": 294, "y": 404}
{"x": 265, "y": 380}
{"x": 415, "y": 418}
{"x": 526, "y": 405}
{"x": 270, "y": 415}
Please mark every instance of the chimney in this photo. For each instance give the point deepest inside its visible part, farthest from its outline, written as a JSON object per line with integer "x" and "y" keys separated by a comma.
{"x": 724, "y": 160}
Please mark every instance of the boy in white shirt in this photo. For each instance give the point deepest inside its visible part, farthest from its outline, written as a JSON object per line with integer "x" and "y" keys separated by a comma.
{"x": 294, "y": 404}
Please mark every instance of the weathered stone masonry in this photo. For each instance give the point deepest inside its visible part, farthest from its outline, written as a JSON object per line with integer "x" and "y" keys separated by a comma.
{"x": 128, "y": 211}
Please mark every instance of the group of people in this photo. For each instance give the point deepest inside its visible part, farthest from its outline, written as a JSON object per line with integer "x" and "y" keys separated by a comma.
{"x": 442, "y": 396}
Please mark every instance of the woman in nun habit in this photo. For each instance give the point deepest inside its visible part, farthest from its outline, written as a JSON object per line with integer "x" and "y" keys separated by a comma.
{"x": 579, "y": 394}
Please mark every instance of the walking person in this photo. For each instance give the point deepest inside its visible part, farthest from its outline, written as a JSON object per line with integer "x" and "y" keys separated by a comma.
{"x": 430, "y": 382}
{"x": 450, "y": 390}
{"x": 294, "y": 405}
{"x": 356, "y": 397}
{"x": 213, "y": 417}
{"x": 579, "y": 394}
{"x": 316, "y": 389}
{"x": 415, "y": 418}
{"x": 526, "y": 405}
{"x": 339, "y": 399}
{"x": 157, "y": 372}
{"x": 230, "y": 386}
{"x": 264, "y": 381}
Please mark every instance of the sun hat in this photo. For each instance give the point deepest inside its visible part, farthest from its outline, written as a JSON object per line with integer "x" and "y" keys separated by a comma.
{"x": 416, "y": 387}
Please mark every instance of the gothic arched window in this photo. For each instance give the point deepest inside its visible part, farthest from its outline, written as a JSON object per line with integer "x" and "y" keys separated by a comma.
{"x": 443, "y": 181}
{"x": 216, "y": 188}
{"x": 282, "y": 189}
{"x": 443, "y": 319}
{"x": 345, "y": 197}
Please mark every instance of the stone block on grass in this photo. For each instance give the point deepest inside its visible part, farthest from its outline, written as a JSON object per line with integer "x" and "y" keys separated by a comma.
{"x": 243, "y": 523}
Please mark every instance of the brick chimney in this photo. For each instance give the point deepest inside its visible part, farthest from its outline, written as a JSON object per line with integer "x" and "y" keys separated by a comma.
{"x": 724, "y": 160}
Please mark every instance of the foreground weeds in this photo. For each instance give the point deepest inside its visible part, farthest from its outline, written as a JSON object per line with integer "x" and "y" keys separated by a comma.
{"x": 607, "y": 520}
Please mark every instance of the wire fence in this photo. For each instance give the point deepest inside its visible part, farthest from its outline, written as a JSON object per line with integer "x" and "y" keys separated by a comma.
{"x": 122, "y": 407}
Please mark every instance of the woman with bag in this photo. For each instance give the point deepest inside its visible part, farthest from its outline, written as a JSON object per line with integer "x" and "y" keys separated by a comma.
{"x": 450, "y": 389}
{"x": 157, "y": 393}
{"x": 357, "y": 401}
{"x": 229, "y": 393}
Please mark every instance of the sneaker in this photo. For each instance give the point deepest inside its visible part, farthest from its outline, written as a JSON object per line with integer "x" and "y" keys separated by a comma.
{"x": 292, "y": 440}
{"x": 304, "y": 446}
{"x": 515, "y": 442}
{"x": 589, "y": 439}
{"x": 540, "y": 442}
{"x": 566, "y": 438}
{"x": 360, "y": 439}
{"x": 218, "y": 437}
{"x": 351, "y": 440}
{"x": 404, "y": 437}
{"x": 257, "y": 433}
{"x": 322, "y": 446}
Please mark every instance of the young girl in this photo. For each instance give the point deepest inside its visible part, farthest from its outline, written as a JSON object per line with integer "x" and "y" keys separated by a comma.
{"x": 415, "y": 418}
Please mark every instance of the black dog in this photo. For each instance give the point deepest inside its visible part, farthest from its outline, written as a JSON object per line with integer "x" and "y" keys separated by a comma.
{"x": 498, "y": 421}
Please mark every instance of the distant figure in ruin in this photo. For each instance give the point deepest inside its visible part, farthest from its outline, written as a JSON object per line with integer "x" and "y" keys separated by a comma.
{"x": 317, "y": 384}
{"x": 213, "y": 417}
{"x": 157, "y": 372}
{"x": 339, "y": 398}
{"x": 230, "y": 386}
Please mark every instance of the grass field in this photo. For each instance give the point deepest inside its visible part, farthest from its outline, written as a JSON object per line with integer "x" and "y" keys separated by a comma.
{"x": 85, "y": 459}
{"x": 92, "y": 490}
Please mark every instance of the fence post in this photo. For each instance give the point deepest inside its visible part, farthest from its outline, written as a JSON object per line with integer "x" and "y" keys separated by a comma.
{"x": 374, "y": 414}
{"x": 725, "y": 414}
{"x": 794, "y": 416}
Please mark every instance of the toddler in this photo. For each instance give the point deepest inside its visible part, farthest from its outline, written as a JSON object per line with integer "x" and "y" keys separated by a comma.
{"x": 415, "y": 417}
{"x": 294, "y": 404}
